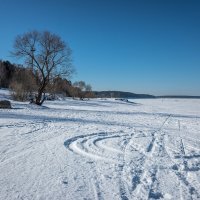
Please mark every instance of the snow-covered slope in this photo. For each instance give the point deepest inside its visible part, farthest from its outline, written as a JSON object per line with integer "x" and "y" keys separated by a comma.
{"x": 101, "y": 149}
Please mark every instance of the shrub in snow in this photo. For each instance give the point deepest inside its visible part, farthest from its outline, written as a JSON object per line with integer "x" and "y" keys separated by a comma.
{"x": 5, "y": 104}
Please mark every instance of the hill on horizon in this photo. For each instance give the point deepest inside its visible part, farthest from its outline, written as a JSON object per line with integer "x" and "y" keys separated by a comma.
{"x": 120, "y": 94}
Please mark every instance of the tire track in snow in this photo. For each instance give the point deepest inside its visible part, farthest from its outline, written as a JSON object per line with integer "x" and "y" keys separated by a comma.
{"x": 144, "y": 180}
{"x": 123, "y": 188}
{"x": 187, "y": 188}
{"x": 99, "y": 143}
{"x": 89, "y": 146}
{"x": 94, "y": 146}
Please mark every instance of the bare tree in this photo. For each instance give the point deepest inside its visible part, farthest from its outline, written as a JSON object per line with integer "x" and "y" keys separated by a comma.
{"x": 47, "y": 55}
{"x": 83, "y": 90}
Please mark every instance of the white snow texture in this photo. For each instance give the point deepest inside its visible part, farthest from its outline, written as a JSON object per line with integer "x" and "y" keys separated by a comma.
{"x": 101, "y": 149}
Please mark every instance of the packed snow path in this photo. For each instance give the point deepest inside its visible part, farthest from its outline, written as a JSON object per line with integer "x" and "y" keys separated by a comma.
{"x": 101, "y": 149}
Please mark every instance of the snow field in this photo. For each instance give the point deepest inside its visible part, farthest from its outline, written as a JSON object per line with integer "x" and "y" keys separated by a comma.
{"x": 101, "y": 149}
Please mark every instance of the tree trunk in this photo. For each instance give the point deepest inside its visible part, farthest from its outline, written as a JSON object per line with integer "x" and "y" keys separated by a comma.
{"x": 39, "y": 101}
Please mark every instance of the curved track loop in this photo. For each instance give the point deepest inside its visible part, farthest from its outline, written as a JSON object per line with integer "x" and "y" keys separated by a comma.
{"x": 96, "y": 146}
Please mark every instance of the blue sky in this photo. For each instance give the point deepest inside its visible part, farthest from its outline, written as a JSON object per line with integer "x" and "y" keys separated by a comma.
{"x": 150, "y": 46}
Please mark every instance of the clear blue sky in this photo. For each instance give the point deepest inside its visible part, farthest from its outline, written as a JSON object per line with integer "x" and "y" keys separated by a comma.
{"x": 150, "y": 46}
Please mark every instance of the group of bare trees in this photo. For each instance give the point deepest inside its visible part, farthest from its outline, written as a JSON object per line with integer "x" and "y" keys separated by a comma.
{"x": 83, "y": 90}
{"x": 46, "y": 69}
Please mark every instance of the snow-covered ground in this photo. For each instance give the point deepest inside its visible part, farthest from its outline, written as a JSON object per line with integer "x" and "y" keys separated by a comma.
{"x": 101, "y": 149}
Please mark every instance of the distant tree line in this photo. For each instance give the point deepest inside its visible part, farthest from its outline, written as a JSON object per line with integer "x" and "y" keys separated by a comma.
{"x": 24, "y": 84}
